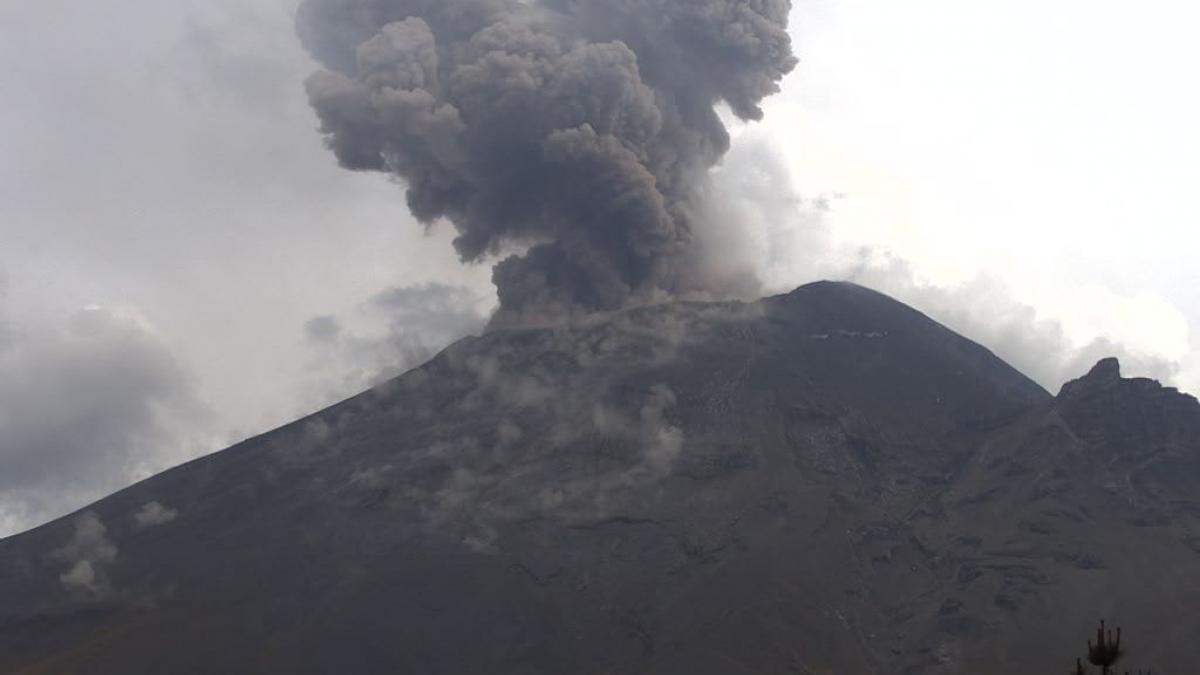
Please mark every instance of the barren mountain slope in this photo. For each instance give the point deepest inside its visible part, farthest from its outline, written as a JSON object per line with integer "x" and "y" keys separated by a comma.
{"x": 825, "y": 481}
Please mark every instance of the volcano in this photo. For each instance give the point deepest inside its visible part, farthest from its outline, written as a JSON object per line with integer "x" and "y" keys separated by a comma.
{"x": 826, "y": 481}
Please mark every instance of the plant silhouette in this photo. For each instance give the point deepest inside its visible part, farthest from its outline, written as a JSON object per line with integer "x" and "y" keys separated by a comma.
{"x": 1104, "y": 652}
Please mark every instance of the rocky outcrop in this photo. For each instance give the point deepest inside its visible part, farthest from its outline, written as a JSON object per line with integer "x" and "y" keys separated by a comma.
{"x": 1129, "y": 415}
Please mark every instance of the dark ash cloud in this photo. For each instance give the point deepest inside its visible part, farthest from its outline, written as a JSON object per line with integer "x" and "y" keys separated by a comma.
{"x": 579, "y": 132}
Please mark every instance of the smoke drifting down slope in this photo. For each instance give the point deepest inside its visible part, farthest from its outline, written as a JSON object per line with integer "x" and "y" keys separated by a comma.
{"x": 582, "y": 131}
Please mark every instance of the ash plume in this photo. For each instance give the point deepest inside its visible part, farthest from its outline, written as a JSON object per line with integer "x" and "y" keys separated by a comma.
{"x": 573, "y": 137}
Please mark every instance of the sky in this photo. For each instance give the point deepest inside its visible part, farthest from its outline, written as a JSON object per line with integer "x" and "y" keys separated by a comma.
{"x": 183, "y": 264}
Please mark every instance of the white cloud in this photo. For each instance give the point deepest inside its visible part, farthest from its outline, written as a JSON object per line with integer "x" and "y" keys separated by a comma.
{"x": 153, "y": 514}
{"x": 87, "y": 555}
{"x": 987, "y": 141}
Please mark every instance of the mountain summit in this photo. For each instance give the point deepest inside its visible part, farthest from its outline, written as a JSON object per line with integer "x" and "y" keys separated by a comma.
{"x": 824, "y": 481}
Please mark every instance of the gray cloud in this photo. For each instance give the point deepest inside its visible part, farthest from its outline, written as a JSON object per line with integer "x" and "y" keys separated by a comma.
{"x": 322, "y": 329}
{"x": 87, "y": 405}
{"x": 396, "y": 330}
{"x": 582, "y": 132}
{"x": 782, "y": 235}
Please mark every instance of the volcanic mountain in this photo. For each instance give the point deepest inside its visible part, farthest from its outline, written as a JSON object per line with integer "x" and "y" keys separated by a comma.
{"x": 821, "y": 482}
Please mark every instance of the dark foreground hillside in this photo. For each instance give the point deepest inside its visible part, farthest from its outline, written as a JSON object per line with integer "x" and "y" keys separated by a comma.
{"x": 822, "y": 482}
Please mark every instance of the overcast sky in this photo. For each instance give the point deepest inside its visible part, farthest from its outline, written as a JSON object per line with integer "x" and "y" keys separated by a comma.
{"x": 182, "y": 264}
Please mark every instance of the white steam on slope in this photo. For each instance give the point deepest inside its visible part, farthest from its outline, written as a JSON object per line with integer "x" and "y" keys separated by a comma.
{"x": 87, "y": 556}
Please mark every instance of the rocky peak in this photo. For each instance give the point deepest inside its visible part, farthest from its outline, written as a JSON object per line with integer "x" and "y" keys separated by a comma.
{"x": 1103, "y": 376}
{"x": 1105, "y": 370}
{"x": 1103, "y": 405}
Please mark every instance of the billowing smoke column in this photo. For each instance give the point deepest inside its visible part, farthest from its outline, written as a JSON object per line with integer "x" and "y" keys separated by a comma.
{"x": 578, "y": 131}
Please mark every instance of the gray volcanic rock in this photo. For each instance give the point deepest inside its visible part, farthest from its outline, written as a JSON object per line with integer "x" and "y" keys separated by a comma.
{"x": 825, "y": 481}
{"x": 1130, "y": 415}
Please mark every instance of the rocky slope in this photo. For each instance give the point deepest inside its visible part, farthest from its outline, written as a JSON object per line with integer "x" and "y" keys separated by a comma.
{"x": 821, "y": 482}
